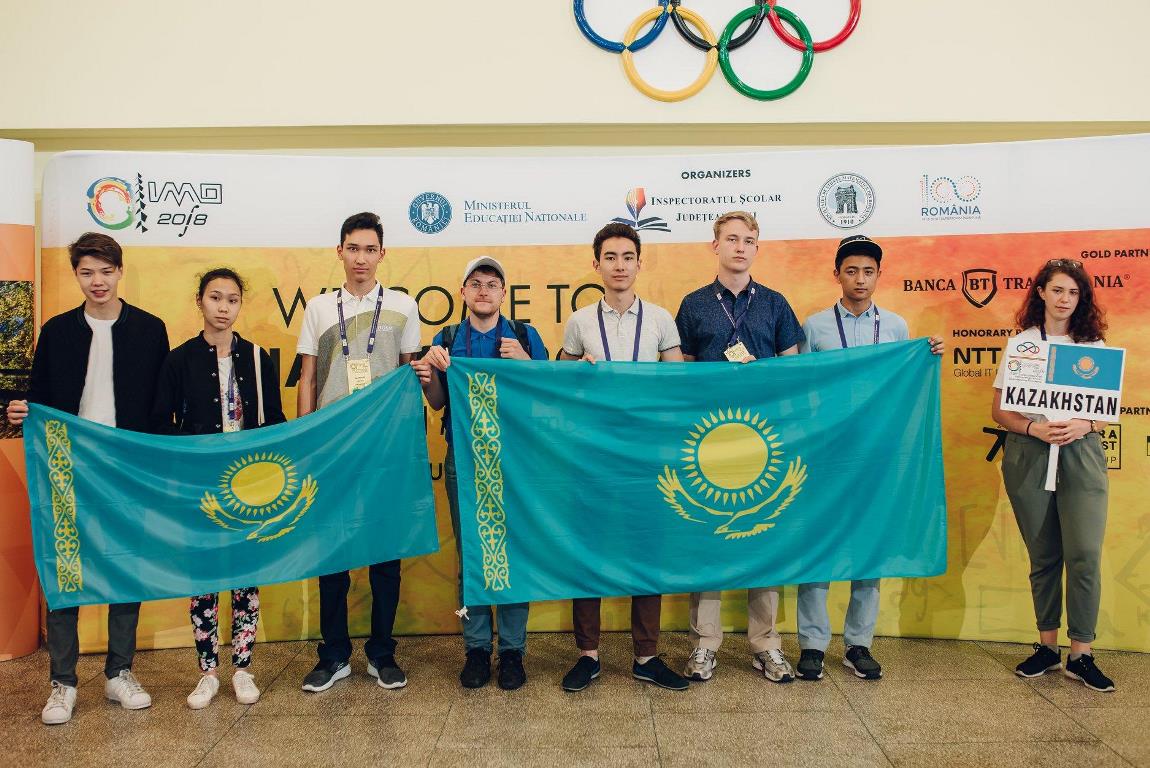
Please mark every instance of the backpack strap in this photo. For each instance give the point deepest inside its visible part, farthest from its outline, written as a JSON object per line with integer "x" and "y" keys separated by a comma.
{"x": 448, "y": 335}
{"x": 520, "y": 329}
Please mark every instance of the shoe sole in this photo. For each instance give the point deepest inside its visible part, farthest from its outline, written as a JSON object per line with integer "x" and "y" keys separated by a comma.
{"x": 373, "y": 672}
{"x": 55, "y": 722}
{"x": 812, "y": 678}
{"x": 861, "y": 675}
{"x": 585, "y": 687}
{"x": 1073, "y": 676}
{"x": 784, "y": 679}
{"x": 200, "y": 706}
{"x": 654, "y": 682}
{"x": 128, "y": 706}
{"x": 341, "y": 673}
{"x": 1051, "y": 668}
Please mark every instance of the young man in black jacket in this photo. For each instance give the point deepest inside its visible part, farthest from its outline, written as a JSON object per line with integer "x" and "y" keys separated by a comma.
{"x": 100, "y": 361}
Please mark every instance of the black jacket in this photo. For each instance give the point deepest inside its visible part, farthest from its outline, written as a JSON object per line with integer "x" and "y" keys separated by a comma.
{"x": 188, "y": 395}
{"x": 60, "y": 365}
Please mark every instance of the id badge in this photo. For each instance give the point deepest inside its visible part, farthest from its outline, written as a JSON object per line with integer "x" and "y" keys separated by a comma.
{"x": 232, "y": 426}
{"x": 737, "y": 353}
{"x": 358, "y": 374}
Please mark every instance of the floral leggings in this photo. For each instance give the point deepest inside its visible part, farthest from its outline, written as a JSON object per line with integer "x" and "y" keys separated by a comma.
{"x": 205, "y": 625}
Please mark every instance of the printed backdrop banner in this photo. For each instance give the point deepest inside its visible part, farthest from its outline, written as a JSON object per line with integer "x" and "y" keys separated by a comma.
{"x": 19, "y": 591}
{"x": 653, "y": 478}
{"x": 120, "y": 516}
{"x": 963, "y": 231}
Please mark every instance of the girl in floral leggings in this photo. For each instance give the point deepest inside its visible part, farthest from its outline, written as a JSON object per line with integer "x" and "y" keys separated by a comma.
{"x": 219, "y": 382}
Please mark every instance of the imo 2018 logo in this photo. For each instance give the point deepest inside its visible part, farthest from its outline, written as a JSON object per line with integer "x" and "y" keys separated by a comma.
{"x": 846, "y": 200}
{"x": 110, "y": 202}
{"x": 430, "y": 213}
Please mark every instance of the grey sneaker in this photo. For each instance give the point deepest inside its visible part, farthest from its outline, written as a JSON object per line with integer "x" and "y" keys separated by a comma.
{"x": 774, "y": 666}
{"x": 386, "y": 672}
{"x": 700, "y": 665}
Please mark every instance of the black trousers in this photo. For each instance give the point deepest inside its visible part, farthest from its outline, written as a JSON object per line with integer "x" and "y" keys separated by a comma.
{"x": 333, "y": 589}
{"x": 64, "y": 641}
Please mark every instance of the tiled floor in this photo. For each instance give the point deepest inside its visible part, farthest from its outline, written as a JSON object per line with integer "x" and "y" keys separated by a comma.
{"x": 941, "y": 703}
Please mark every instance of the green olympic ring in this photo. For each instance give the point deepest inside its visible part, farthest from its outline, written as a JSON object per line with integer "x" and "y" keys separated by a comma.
{"x": 776, "y": 93}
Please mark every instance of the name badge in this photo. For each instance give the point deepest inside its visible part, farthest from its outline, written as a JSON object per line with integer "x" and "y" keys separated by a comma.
{"x": 358, "y": 373}
{"x": 232, "y": 426}
{"x": 738, "y": 353}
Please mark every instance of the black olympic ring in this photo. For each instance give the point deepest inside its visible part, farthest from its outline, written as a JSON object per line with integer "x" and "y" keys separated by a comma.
{"x": 1028, "y": 348}
{"x": 689, "y": 35}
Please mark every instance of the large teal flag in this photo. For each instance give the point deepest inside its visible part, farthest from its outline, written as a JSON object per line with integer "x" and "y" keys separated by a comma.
{"x": 120, "y": 516}
{"x": 580, "y": 480}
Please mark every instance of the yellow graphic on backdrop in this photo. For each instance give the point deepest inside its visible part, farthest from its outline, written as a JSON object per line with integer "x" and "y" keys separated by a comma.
{"x": 486, "y": 448}
{"x": 262, "y": 493}
{"x": 731, "y": 463}
{"x": 69, "y": 574}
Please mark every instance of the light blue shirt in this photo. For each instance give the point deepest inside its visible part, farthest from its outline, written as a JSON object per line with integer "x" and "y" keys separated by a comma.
{"x": 822, "y": 332}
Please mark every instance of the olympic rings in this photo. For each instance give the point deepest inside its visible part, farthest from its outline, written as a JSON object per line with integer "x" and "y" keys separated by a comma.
{"x": 738, "y": 42}
{"x": 825, "y": 45}
{"x": 718, "y": 52}
{"x": 755, "y": 93}
{"x": 657, "y": 93}
{"x": 611, "y": 45}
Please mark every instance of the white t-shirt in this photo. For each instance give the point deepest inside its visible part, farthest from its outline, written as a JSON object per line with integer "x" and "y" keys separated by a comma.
{"x": 659, "y": 332}
{"x": 1034, "y": 334}
{"x": 397, "y": 333}
{"x": 225, "y": 378}
{"x": 98, "y": 400}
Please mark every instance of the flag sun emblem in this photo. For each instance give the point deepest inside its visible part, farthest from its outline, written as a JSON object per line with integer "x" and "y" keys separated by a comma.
{"x": 261, "y": 493}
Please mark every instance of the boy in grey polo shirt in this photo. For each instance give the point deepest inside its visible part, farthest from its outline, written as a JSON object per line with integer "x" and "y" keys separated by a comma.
{"x": 620, "y": 327}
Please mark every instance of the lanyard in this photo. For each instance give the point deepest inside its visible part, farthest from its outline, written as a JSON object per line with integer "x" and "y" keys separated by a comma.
{"x": 467, "y": 337}
{"x": 232, "y": 396}
{"x": 842, "y": 333}
{"x": 638, "y": 330}
{"x": 343, "y": 323}
{"x": 1042, "y": 330}
{"x": 736, "y": 322}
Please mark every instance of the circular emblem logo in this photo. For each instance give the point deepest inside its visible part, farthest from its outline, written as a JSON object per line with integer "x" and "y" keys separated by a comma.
{"x": 430, "y": 213}
{"x": 846, "y": 200}
{"x": 1014, "y": 365}
{"x": 110, "y": 202}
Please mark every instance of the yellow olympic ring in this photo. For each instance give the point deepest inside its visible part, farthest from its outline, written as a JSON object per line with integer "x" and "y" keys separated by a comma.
{"x": 683, "y": 93}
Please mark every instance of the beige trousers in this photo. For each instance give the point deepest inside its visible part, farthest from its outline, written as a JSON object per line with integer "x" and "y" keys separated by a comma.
{"x": 762, "y": 607}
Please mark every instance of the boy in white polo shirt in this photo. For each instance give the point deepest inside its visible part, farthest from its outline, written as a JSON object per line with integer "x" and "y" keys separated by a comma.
{"x": 351, "y": 337}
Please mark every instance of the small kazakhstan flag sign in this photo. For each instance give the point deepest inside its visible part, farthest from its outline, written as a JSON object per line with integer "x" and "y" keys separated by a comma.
{"x": 121, "y": 516}
{"x": 580, "y": 480}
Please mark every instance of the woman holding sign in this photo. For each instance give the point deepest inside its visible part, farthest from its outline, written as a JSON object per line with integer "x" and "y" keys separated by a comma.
{"x": 219, "y": 382}
{"x": 1063, "y": 527}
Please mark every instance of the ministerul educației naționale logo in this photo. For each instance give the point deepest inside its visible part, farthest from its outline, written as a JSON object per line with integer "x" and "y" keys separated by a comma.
{"x": 730, "y": 465}
{"x": 262, "y": 493}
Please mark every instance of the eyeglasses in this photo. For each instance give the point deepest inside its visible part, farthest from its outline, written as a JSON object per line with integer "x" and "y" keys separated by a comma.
{"x": 1064, "y": 263}
{"x": 491, "y": 287}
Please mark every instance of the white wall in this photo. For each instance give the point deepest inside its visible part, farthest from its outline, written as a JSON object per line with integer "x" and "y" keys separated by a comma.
{"x": 136, "y": 64}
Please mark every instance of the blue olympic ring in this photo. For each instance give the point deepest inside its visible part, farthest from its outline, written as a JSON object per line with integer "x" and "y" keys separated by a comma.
{"x": 1028, "y": 348}
{"x": 616, "y": 47}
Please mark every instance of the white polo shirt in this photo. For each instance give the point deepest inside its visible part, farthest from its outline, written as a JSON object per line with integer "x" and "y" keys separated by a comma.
{"x": 658, "y": 334}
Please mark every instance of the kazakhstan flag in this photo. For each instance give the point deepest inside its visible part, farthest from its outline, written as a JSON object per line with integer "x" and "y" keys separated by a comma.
{"x": 121, "y": 516}
{"x": 579, "y": 480}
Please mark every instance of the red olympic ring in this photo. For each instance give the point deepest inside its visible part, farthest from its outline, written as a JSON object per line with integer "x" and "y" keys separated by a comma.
{"x": 786, "y": 36}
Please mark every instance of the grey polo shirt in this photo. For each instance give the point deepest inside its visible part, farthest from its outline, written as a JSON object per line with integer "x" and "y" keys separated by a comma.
{"x": 657, "y": 335}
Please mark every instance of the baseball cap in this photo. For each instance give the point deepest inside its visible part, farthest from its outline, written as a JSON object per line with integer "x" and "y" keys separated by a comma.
{"x": 857, "y": 245}
{"x": 484, "y": 261}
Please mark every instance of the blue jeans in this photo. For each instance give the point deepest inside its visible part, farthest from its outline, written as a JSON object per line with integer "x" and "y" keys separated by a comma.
{"x": 477, "y": 627}
{"x": 815, "y": 624}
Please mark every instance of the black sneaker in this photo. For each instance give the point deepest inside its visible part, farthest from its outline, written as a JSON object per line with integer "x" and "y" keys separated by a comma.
{"x": 386, "y": 672}
{"x": 655, "y": 671}
{"x": 859, "y": 659}
{"x": 511, "y": 672}
{"x": 1083, "y": 669}
{"x": 810, "y": 664}
{"x": 477, "y": 669}
{"x": 325, "y": 674}
{"x": 581, "y": 675}
{"x": 1043, "y": 660}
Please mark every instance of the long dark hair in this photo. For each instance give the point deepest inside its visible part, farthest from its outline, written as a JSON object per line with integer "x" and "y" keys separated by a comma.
{"x": 1088, "y": 323}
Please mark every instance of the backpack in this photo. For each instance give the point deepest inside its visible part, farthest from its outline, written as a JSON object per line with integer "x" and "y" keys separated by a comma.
{"x": 518, "y": 327}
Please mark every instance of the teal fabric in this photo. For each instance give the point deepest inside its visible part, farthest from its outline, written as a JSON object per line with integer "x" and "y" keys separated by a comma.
{"x": 121, "y": 516}
{"x": 580, "y": 480}
{"x": 1074, "y": 365}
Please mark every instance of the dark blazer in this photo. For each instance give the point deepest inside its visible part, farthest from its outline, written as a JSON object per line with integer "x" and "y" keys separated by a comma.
{"x": 188, "y": 395}
{"x": 60, "y": 365}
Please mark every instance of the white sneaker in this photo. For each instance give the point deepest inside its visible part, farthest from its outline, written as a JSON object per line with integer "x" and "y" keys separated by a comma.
{"x": 126, "y": 689}
{"x": 701, "y": 665}
{"x": 60, "y": 704}
{"x": 206, "y": 690}
{"x": 245, "y": 686}
{"x": 774, "y": 666}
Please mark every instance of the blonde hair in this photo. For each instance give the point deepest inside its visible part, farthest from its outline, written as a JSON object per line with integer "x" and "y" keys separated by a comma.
{"x": 743, "y": 216}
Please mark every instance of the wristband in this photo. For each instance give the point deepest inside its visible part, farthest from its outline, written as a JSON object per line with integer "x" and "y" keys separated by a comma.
{"x": 1029, "y": 424}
